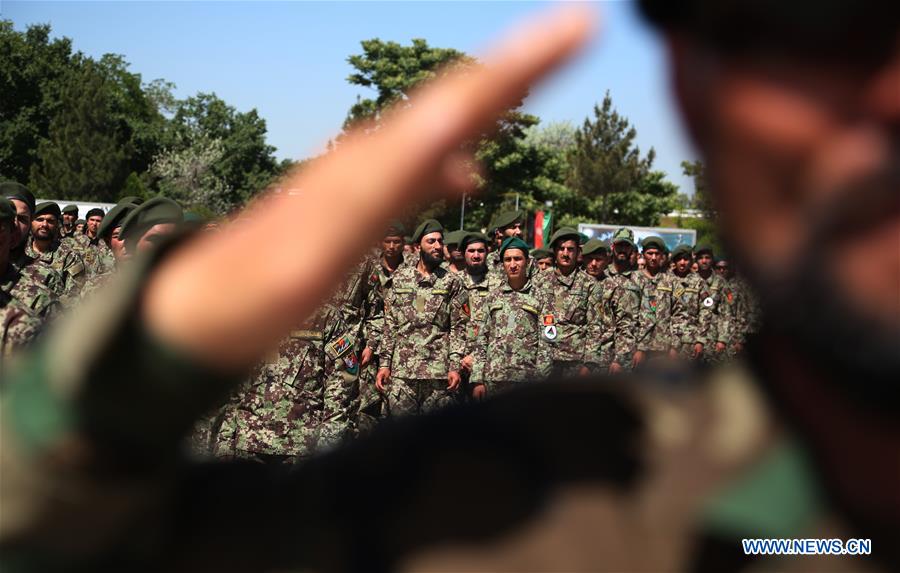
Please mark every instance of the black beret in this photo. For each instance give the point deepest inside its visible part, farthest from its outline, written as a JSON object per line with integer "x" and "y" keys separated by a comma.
{"x": 514, "y": 243}
{"x": 654, "y": 242}
{"x": 704, "y": 248}
{"x": 506, "y": 219}
{"x": 71, "y": 210}
{"x": 95, "y": 212}
{"x": 156, "y": 211}
{"x": 541, "y": 253}
{"x": 594, "y": 246}
{"x": 395, "y": 228}
{"x": 682, "y": 249}
{"x": 47, "y": 208}
{"x": 473, "y": 237}
{"x": 115, "y": 218}
{"x": 565, "y": 233}
{"x": 13, "y": 190}
{"x": 7, "y": 211}
{"x": 427, "y": 226}
{"x": 455, "y": 237}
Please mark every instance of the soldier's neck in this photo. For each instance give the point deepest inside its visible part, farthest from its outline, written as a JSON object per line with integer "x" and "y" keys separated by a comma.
{"x": 392, "y": 263}
{"x": 41, "y": 246}
{"x": 518, "y": 283}
{"x": 705, "y": 274}
{"x": 566, "y": 272}
{"x": 424, "y": 268}
{"x": 621, "y": 268}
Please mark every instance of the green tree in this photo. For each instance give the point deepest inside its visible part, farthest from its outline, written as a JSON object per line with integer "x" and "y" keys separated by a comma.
{"x": 702, "y": 199}
{"x": 33, "y": 72}
{"x": 608, "y": 169}
{"x": 85, "y": 155}
{"x": 216, "y": 155}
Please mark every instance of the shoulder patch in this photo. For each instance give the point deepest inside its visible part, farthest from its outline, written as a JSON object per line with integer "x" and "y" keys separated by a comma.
{"x": 340, "y": 346}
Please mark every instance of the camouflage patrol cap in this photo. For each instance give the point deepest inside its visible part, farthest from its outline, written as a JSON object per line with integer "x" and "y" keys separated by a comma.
{"x": 13, "y": 190}
{"x": 455, "y": 237}
{"x": 564, "y": 233}
{"x": 47, "y": 208}
{"x": 513, "y": 243}
{"x": 115, "y": 218}
{"x": 395, "y": 228}
{"x": 704, "y": 248}
{"x": 654, "y": 242}
{"x": 595, "y": 247}
{"x": 156, "y": 211}
{"x": 541, "y": 253}
{"x": 473, "y": 237}
{"x": 506, "y": 219}
{"x": 682, "y": 251}
{"x": 71, "y": 210}
{"x": 7, "y": 211}
{"x": 624, "y": 235}
{"x": 427, "y": 226}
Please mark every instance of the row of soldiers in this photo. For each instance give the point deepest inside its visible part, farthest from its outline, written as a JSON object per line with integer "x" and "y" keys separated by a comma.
{"x": 461, "y": 315}
{"x": 47, "y": 265}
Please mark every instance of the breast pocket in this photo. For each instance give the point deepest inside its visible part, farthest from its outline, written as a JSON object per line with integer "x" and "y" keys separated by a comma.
{"x": 437, "y": 307}
{"x": 576, "y": 307}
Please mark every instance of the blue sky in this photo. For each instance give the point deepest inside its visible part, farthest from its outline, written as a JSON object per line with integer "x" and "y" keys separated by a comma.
{"x": 289, "y": 59}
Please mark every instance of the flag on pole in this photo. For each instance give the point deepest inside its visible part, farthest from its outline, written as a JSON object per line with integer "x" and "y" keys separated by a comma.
{"x": 542, "y": 226}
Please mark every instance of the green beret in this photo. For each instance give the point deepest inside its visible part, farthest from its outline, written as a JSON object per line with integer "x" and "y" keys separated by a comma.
{"x": 47, "y": 208}
{"x": 565, "y": 233}
{"x": 427, "y": 226}
{"x": 594, "y": 247}
{"x": 682, "y": 250}
{"x": 156, "y": 211}
{"x": 513, "y": 243}
{"x": 71, "y": 210}
{"x": 80, "y": 222}
{"x": 115, "y": 218}
{"x": 541, "y": 253}
{"x": 506, "y": 219}
{"x": 13, "y": 190}
{"x": 653, "y": 242}
{"x": 624, "y": 235}
{"x": 7, "y": 211}
{"x": 133, "y": 199}
{"x": 455, "y": 237}
{"x": 95, "y": 212}
{"x": 704, "y": 248}
{"x": 473, "y": 237}
{"x": 395, "y": 228}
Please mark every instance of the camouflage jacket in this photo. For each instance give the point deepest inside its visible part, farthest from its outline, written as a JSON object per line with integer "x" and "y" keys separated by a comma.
{"x": 373, "y": 323}
{"x": 628, "y": 290}
{"x": 426, "y": 322}
{"x": 97, "y": 256}
{"x": 715, "y": 322}
{"x": 616, "y": 308}
{"x": 478, "y": 290}
{"x": 657, "y": 315}
{"x": 747, "y": 312}
{"x": 66, "y": 261}
{"x": 571, "y": 326}
{"x": 18, "y": 326}
{"x": 686, "y": 304}
{"x": 298, "y": 401}
{"x": 511, "y": 343}
{"x": 33, "y": 286}
{"x": 354, "y": 295}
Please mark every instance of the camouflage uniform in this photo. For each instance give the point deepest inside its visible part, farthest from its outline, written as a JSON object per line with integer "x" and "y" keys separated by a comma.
{"x": 299, "y": 402}
{"x": 615, "y": 309}
{"x": 748, "y": 311}
{"x": 97, "y": 256}
{"x": 66, "y": 261}
{"x": 510, "y": 346}
{"x": 34, "y": 286}
{"x": 626, "y": 291}
{"x": 568, "y": 326}
{"x": 425, "y": 329}
{"x": 686, "y": 304}
{"x": 18, "y": 326}
{"x": 715, "y": 322}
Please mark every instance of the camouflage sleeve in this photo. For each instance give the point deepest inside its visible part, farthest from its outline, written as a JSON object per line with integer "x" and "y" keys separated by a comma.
{"x": 340, "y": 386}
{"x": 373, "y": 323}
{"x": 389, "y": 327}
{"x": 626, "y": 306}
{"x": 643, "y": 325}
{"x": 19, "y": 329}
{"x": 707, "y": 319}
{"x": 684, "y": 318}
{"x": 459, "y": 324}
{"x": 479, "y": 348}
{"x": 596, "y": 326}
{"x": 545, "y": 350}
